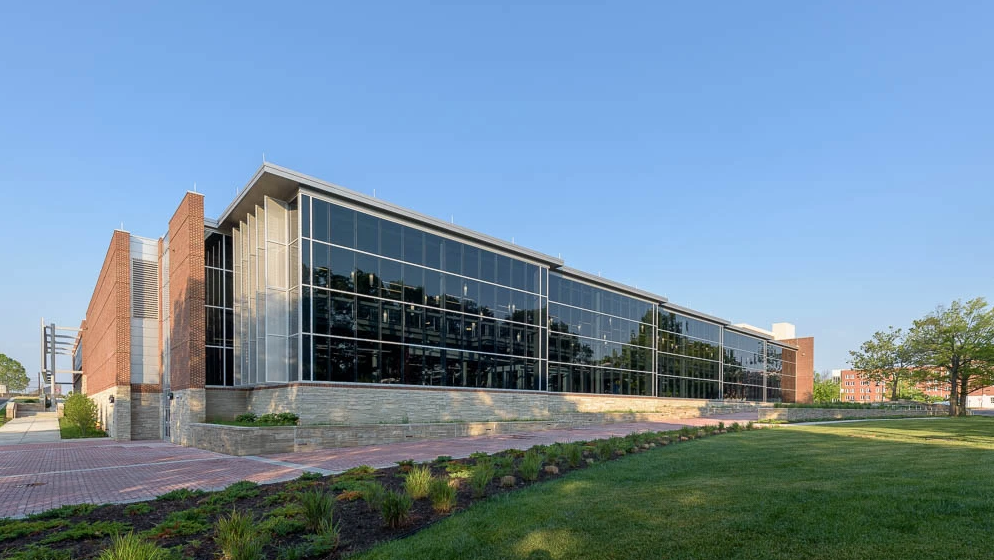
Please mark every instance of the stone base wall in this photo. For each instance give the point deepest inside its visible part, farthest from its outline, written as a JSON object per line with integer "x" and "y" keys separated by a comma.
{"x": 361, "y": 404}
{"x": 226, "y": 404}
{"x": 115, "y": 417}
{"x": 237, "y": 440}
{"x": 812, "y": 414}
{"x": 146, "y": 415}
{"x": 187, "y": 407}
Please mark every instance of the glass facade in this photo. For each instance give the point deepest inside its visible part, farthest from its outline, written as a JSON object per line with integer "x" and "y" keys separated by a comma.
{"x": 689, "y": 357}
{"x": 219, "y": 324}
{"x": 318, "y": 291}
{"x": 384, "y": 302}
{"x": 600, "y": 341}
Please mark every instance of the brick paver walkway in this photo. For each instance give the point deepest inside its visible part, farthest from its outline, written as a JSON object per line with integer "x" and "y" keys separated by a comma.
{"x": 37, "y": 477}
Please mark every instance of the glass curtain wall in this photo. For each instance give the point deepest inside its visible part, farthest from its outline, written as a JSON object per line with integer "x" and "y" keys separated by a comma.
{"x": 689, "y": 357}
{"x": 744, "y": 359}
{"x": 774, "y": 372}
{"x": 600, "y": 341}
{"x": 384, "y": 302}
{"x": 219, "y": 325}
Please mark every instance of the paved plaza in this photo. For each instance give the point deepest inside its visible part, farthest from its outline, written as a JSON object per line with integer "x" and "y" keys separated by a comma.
{"x": 35, "y": 477}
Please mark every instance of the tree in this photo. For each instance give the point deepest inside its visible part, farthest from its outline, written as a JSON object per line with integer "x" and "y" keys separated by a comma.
{"x": 12, "y": 374}
{"x": 957, "y": 343}
{"x": 80, "y": 411}
{"x": 885, "y": 358}
{"x": 825, "y": 390}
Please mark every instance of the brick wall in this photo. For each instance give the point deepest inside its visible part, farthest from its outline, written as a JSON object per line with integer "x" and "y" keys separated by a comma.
{"x": 107, "y": 339}
{"x": 804, "y": 382}
{"x": 186, "y": 294}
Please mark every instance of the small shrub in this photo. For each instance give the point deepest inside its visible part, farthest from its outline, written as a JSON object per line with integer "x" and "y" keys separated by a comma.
{"x": 484, "y": 471}
{"x": 736, "y": 427}
{"x": 179, "y": 523}
{"x": 574, "y": 454}
{"x": 442, "y": 495}
{"x": 406, "y": 465}
{"x": 179, "y": 494}
{"x": 84, "y": 530}
{"x": 349, "y": 496}
{"x": 318, "y": 510}
{"x": 530, "y": 466}
{"x": 141, "y": 508}
{"x": 64, "y": 512}
{"x": 34, "y": 552}
{"x": 247, "y": 417}
{"x": 604, "y": 450}
{"x": 362, "y": 472}
{"x": 80, "y": 411}
{"x": 373, "y": 493}
{"x": 132, "y": 547}
{"x": 237, "y": 491}
{"x": 282, "y": 526}
{"x": 396, "y": 509}
{"x": 417, "y": 481}
{"x": 751, "y": 425}
{"x": 22, "y": 528}
{"x": 442, "y": 459}
{"x": 721, "y": 426}
{"x": 504, "y": 464}
{"x": 309, "y": 476}
{"x": 237, "y": 537}
{"x": 554, "y": 453}
{"x": 478, "y": 455}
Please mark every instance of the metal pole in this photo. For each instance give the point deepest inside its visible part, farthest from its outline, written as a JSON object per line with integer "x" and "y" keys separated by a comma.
{"x": 41, "y": 370}
{"x": 53, "y": 365}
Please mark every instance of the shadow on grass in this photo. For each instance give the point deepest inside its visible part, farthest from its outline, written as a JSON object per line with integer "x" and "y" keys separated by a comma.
{"x": 915, "y": 490}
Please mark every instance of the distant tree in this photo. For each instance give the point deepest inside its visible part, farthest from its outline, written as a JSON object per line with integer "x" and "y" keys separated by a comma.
{"x": 885, "y": 358}
{"x": 956, "y": 344}
{"x": 12, "y": 374}
{"x": 825, "y": 389}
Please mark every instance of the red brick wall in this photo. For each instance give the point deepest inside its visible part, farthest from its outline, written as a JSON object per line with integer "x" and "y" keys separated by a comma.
{"x": 940, "y": 390}
{"x": 186, "y": 294}
{"x": 107, "y": 339}
{"x": 805, "y": 380}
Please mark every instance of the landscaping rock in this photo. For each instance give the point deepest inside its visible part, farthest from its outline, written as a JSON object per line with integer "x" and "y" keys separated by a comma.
{"x": 552, "y": 469}
{"x": 590, "y": 461}
{"x": 684, "y": 438}
{"x": 508, "y": 481}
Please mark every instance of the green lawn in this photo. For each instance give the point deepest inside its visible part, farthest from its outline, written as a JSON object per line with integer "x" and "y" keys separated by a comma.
{"x": 68, "y": 431}
{"x": 908, "y": 489}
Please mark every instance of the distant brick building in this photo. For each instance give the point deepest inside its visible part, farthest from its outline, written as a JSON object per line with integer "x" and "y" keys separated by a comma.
{"x": 854, "y": 387}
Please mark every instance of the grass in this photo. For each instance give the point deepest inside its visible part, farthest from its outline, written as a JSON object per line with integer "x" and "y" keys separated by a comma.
{"x": 68, "y": 431}
{"x": 887, "y": 490}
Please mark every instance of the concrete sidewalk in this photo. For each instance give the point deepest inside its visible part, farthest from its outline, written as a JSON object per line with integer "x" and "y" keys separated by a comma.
{"x": 39, "y": 427}
{"x": 35, "y": 477}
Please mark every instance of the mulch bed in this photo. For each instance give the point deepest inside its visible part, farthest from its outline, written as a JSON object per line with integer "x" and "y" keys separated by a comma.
{"x": 360, "y": 528}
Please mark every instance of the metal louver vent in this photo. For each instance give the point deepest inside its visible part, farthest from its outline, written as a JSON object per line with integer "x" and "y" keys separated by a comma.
{"x": 144, "y": 289}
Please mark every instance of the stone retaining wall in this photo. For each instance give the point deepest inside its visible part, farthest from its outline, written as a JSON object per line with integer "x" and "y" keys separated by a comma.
{"x": 238, "y": 440}
{"x": 371, "y": 404}
{"x": 806, "y": 414}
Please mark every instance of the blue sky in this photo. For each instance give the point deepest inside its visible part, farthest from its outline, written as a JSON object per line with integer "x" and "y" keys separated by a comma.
{"x": 827, "y": 164}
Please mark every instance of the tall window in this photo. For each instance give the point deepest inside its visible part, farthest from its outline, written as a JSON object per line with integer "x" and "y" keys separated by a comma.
{"x": 219, "y": 364}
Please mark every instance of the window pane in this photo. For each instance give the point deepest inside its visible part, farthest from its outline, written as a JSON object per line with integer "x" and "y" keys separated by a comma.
{"x": 343, "y": 315}
{"x": 367, "y": 233}
{"x": 414, "y": 245}
{"x": 470, "y": 261}
{"x": 342, "y": 226}
{"x": 433, "y": 251}
{"x": 342, "y": 269}
{"x": 305, "y": 215}
{"x": 488, "y": 266}
{"x": 321, "y": 227}
{"x": 390, "y": 239}
{"x": 453, "y": 256}
{"x": 341, "y": 360}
